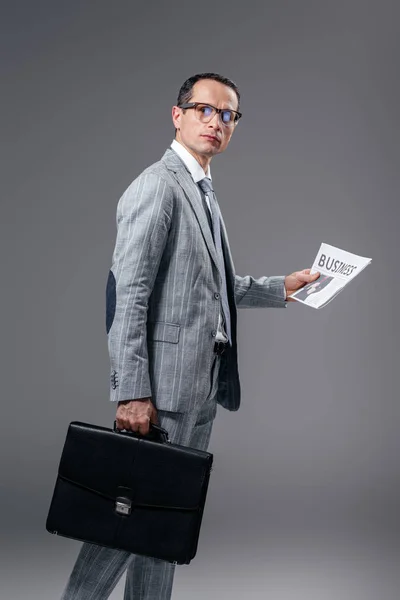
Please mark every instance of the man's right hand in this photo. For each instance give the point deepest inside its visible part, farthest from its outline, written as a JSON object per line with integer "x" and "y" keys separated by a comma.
{"x": 136, "y": 415}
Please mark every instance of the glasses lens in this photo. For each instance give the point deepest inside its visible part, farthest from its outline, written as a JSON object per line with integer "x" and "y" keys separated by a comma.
{"x": 204, "y": 112}
{"x": 227, "y": 117}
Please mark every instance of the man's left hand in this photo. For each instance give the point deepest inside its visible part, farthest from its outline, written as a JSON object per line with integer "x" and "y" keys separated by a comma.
{"x": 297, "y": 280}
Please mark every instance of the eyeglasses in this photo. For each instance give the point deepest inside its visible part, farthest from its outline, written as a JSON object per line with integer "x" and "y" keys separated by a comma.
{"x": 206, "y": 112}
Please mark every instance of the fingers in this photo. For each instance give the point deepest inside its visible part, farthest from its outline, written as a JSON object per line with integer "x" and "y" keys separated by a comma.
{"x": 143, "y": 426}
{"x": 138, "y": 425}
{"x": 136, "y": 416}
{"x": 306, "y": 277}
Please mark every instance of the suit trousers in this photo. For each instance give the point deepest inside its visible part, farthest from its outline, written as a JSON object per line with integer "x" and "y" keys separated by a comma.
{"x": 98, "y": 569}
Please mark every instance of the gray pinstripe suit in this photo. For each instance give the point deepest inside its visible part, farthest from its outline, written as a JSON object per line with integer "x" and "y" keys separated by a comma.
{"x": 163, "y": 303}
{"x": 166, "y": 280}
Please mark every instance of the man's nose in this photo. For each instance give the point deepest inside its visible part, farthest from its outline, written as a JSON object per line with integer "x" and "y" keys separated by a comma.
{"x": 215, "y": 122}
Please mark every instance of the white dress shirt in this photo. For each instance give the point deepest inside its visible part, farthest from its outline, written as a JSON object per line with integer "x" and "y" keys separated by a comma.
{"x": 198, "y": 173}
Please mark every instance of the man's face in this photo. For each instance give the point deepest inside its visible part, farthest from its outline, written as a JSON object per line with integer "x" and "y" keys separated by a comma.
{"x": 205, "y": 139}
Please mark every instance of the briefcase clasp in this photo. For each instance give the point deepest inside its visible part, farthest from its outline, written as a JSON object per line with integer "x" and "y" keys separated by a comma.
{"x": 123, "y": 506}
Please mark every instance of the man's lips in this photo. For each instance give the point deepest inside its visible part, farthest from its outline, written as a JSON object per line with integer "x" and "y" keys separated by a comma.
{"x": 211, "y": 137}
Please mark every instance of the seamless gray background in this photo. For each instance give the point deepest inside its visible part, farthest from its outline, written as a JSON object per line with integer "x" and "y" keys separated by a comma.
{"x": 304, "y": 498}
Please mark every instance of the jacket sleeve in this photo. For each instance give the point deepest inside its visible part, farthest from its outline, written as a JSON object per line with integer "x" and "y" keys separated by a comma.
{"x": 144, "y": 215}
{"x": 259, "y": 293}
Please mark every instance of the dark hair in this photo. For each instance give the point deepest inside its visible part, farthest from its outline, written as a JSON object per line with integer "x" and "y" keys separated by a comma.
{"x": 185, "y": 93}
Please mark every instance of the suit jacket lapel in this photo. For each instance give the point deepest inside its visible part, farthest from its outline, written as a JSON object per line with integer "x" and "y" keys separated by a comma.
{"x": 192, "y": 193}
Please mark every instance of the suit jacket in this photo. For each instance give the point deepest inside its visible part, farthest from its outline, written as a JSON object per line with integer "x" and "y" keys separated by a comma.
{"x": 163, "y": 294}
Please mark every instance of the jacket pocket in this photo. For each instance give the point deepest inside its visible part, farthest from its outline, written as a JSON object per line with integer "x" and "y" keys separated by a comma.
{"x": 159, "y": 331}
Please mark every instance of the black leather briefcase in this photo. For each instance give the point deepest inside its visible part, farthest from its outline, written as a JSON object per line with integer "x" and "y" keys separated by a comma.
{"x": 137, "y": 493}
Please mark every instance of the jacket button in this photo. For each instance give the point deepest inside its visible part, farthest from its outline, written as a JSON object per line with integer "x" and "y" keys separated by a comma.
{"x": 214, "y": 332}
{"x": 216, "y": 296}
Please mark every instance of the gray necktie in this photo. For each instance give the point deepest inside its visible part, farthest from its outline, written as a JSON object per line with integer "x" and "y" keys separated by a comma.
{"x": 206, "y": 186}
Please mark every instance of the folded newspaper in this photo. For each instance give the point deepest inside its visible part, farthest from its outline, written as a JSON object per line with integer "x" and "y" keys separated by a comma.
{"x": 337, "y": 268}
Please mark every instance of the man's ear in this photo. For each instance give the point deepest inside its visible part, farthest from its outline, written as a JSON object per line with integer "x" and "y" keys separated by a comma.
{"x": 176, "y": 116}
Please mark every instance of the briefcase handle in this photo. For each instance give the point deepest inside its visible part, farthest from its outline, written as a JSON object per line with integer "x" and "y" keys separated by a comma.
{"x": 156, "y": 433}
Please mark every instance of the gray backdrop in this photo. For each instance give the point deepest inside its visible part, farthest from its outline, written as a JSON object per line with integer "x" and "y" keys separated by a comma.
{"x": 304, "y": 497}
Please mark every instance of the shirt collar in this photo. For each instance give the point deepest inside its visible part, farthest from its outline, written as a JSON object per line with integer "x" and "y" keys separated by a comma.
{"x": 195, "y": 169}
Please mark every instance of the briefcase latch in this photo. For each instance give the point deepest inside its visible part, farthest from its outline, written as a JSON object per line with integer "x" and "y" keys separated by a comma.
{"x": 123, "y": 505}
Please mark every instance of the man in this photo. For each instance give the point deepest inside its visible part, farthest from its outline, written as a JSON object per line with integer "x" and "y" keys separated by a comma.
{"x": 171, "y": 311}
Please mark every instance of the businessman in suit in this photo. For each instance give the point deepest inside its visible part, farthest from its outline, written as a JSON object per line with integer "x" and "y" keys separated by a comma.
{"x": 172, "y": 295}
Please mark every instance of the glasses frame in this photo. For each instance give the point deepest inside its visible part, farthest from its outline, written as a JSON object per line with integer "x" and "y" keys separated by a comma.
{"x": 217, "y": 110}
